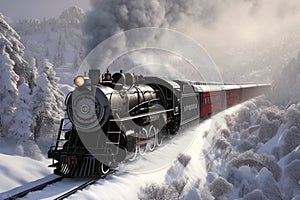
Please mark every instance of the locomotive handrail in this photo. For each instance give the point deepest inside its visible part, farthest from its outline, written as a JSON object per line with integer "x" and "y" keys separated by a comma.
{"x": 142, "y": 115}
{"x": 145, "y": 102}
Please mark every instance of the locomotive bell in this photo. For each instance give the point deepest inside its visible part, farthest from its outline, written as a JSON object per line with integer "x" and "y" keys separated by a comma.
{"x": 94, "y": 75}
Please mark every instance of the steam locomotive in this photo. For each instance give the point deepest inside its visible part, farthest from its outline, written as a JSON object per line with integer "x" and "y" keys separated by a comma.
{"x": 116, "y": 117}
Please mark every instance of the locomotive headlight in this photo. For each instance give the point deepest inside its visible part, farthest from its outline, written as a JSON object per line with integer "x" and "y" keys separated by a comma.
{"x": 79, "y": 81}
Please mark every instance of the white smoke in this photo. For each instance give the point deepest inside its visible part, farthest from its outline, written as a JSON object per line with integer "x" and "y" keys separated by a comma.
{"x": 249, "y": 39}
{"x": 109, "y": 17}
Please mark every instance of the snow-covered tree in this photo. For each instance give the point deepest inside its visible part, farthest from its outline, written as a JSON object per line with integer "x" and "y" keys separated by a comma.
{"x": 47, "y": 68}
{"x": 73, "y": 16}
{"x": 14, "y": 48}
{"x": 47, "y": 101}
{"x": 8, "y": 77}
{"x": 8, "y": 87}
{"x": 59, "y": 57}
{"x": 33, "y": 74}
{"x": 76, "y": 62}
{"x": 22, "y": 117}
{"x": 57, "y": 39}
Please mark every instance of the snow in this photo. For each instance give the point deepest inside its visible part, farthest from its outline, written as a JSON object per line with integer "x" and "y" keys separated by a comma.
{"x": 275, "y": 141}
{"x": 217, "y": 168}
{"x": 17, "y": 171}
{"x": 160, "y": 167}
{"x": 250, "y": 151}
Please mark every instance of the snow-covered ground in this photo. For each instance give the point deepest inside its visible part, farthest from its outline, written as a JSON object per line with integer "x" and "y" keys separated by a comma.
{"x": 17, "y": 170}
{"x": 160, "y": 166}
{"x": 248, "y": 151}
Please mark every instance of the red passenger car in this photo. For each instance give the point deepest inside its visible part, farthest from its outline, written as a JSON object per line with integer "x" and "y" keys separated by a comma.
{"x": 211, "y": 98}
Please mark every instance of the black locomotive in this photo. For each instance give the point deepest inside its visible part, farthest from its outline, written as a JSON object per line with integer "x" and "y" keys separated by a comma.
{"x": 114, "y": 119}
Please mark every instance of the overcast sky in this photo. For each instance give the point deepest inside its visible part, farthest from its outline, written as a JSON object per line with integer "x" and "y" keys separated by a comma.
{"x": 18, "y": 9}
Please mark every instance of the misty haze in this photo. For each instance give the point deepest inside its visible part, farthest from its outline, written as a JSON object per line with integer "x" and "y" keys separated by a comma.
{"x": 244, "y": 147}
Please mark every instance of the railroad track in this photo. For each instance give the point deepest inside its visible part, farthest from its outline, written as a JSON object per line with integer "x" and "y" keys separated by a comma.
{"x": 64, "y": 195}
{"x": 84, "y": 185}
{"x": 35, "y": 188}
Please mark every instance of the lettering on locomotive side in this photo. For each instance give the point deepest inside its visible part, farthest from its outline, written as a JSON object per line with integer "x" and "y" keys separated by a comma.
{"x": 190, "y": 107}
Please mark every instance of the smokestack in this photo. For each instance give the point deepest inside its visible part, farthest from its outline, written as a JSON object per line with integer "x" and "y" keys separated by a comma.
{"x": 94, "y": 75}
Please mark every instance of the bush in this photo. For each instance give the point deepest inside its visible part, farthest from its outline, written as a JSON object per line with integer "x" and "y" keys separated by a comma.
{"x": 258, "y": 161}
{"x": 243, "y": 115}
{"x": 223, "y": 146}
{"x": 225, "y": 132}
{"x": 184, "y": 159}
{"x": 154, "y": 191}
{"x": 220, "y": 187}
{"x": 273, "y": 113}
{"x": 267, "y": 129}
{"x": 179, "y": 185}
{"x": 171, "y": 190}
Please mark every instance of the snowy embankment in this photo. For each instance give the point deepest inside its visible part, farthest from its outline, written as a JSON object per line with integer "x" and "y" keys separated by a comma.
{"x": 17, "y": 170}
{"x": 257, "y": 154}
{"x": 160, "y": 166}
{"x": 248, "y": 151}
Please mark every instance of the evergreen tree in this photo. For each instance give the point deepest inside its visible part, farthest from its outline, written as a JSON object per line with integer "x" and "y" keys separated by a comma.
{"x": 8, "y": 88}
{"x": 47, "y": 68}
{"x": 76, "y": 61}
{"x": 33, "y": 74}
{"x": 48, "y": 101}
{"x": 15, "y": 49}
{"x": 59, "y": 58}
{"x": 22, "y": 117}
